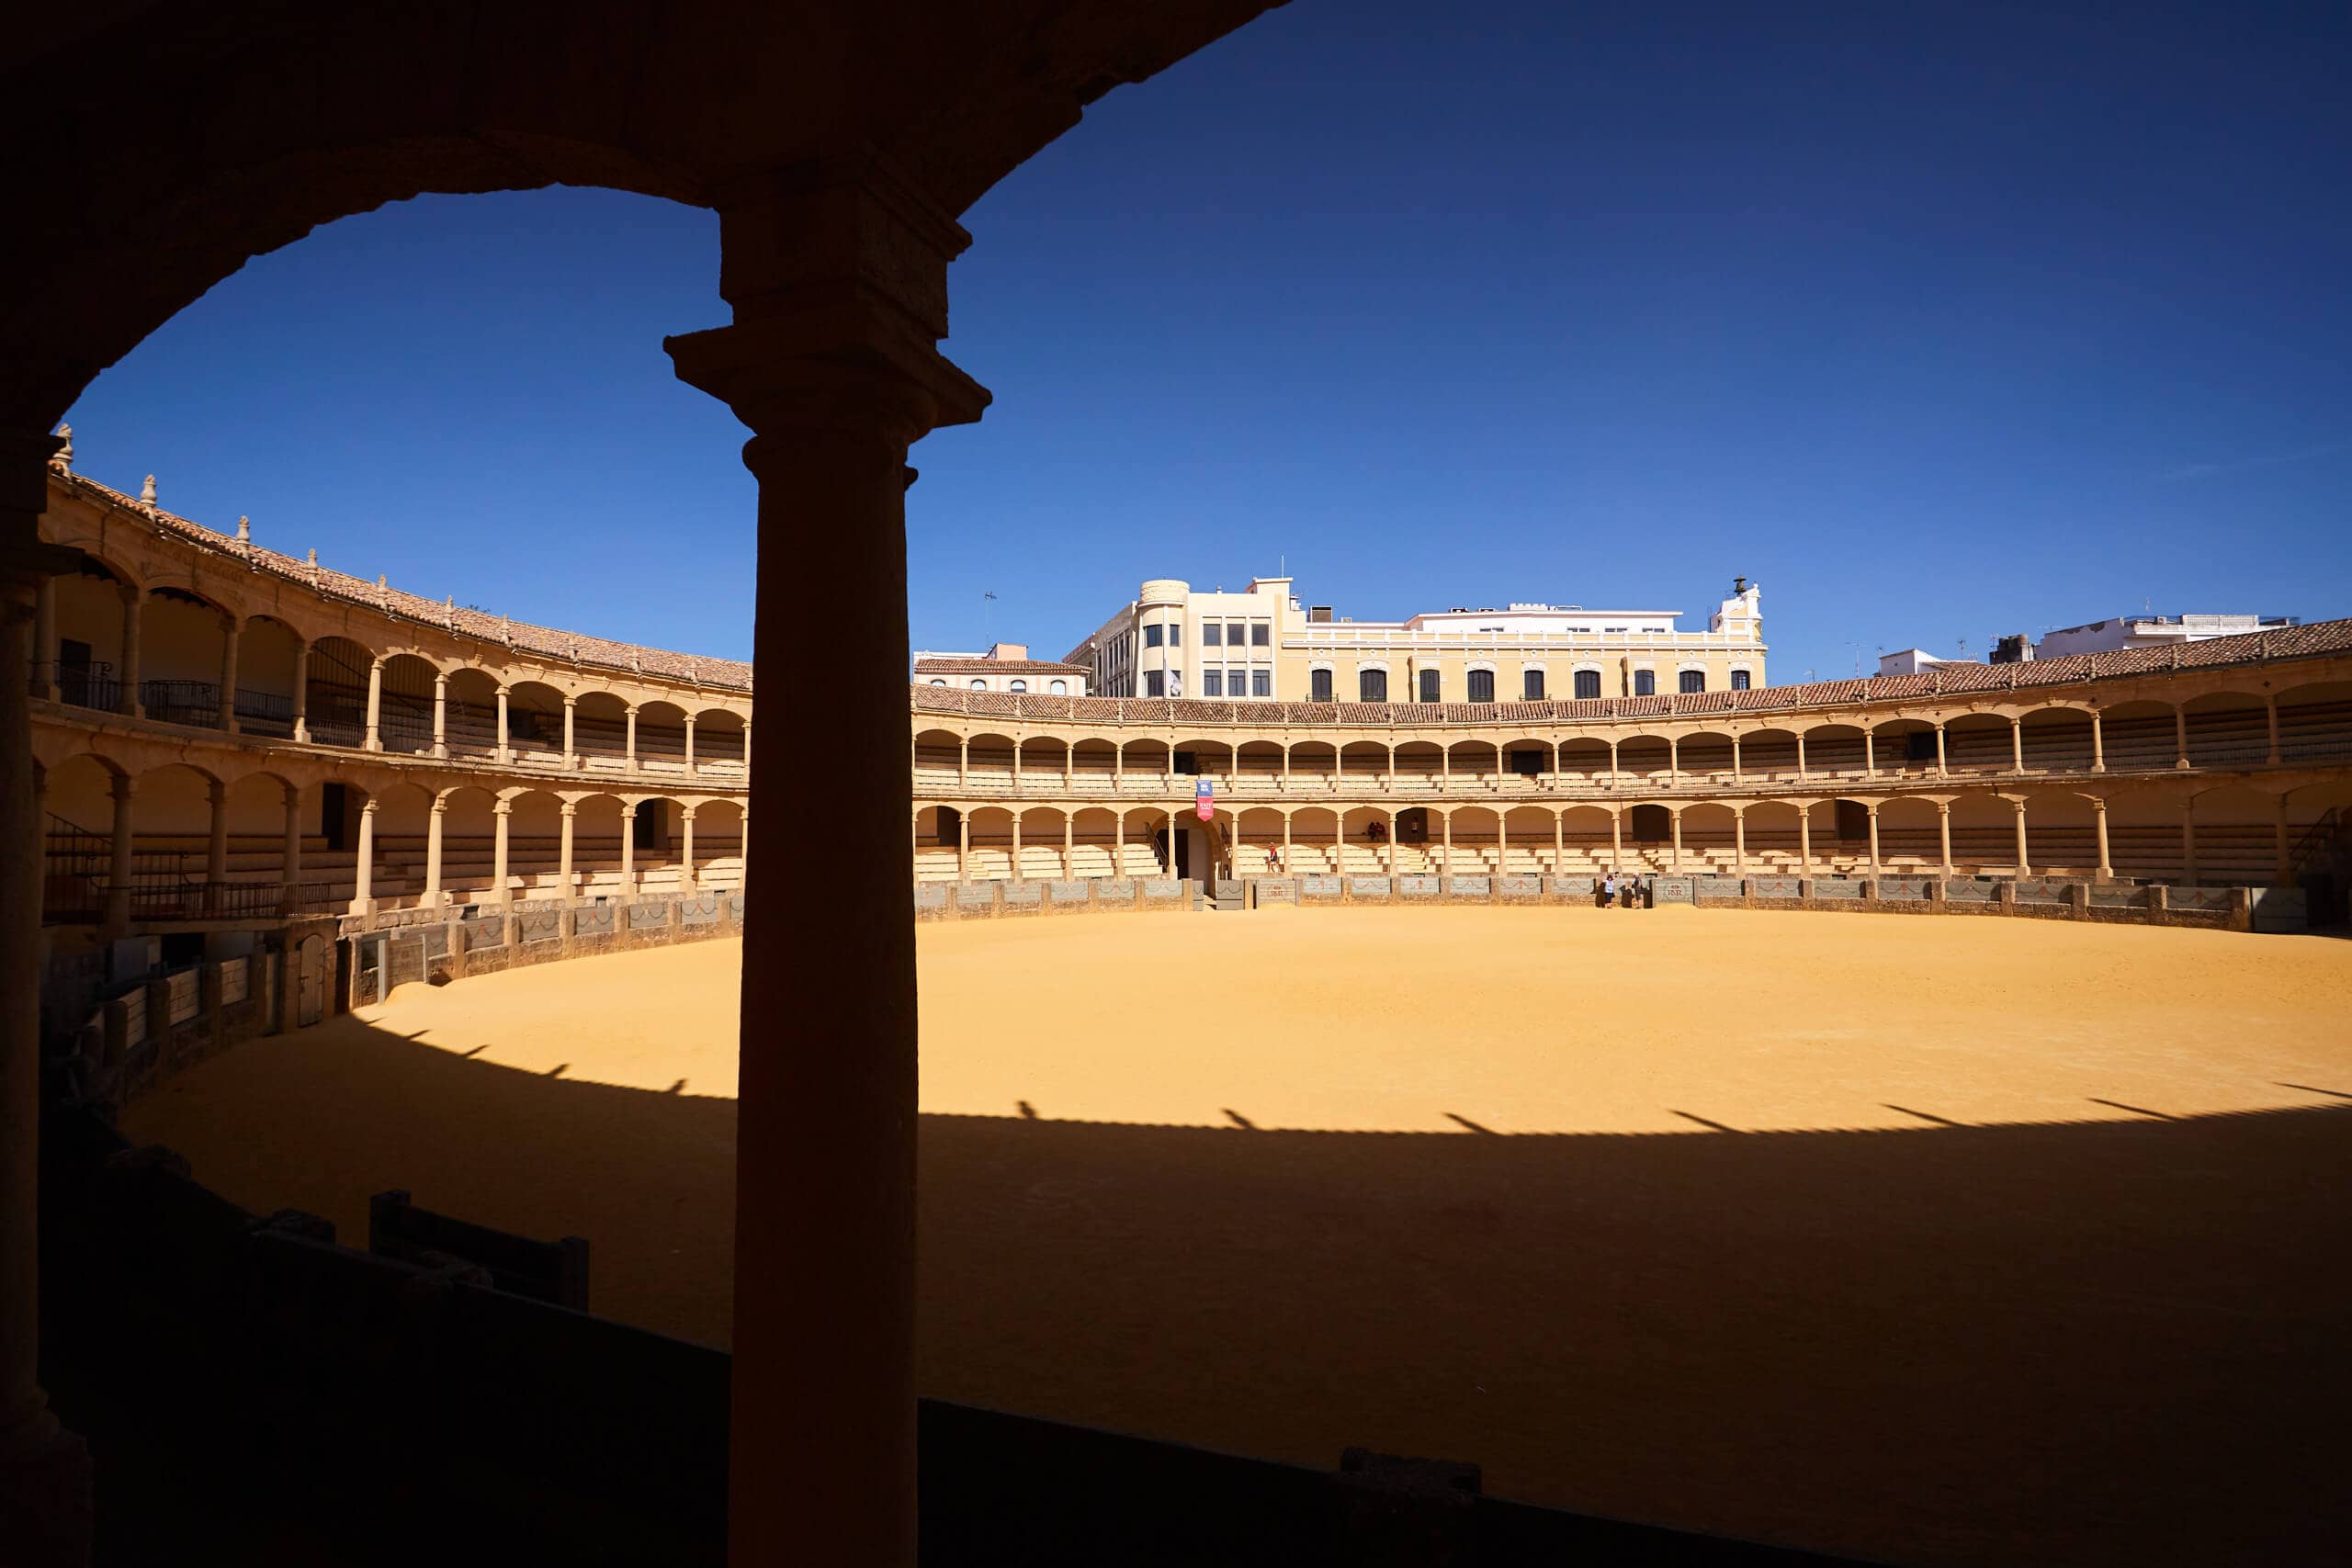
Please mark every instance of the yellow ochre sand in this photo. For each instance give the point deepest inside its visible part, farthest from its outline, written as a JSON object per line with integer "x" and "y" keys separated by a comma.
{"x": 1932, "y": 1239}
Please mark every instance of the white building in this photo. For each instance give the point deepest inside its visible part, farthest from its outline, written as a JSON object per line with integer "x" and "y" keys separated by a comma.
{"x": 2148, "y": 631}
{"x": 1005, "y": 667}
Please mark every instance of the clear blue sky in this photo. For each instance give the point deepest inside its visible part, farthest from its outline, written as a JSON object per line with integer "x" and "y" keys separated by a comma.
{"x": 1940, "y": 320}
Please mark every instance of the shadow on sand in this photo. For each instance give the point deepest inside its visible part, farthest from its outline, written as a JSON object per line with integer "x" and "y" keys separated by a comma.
{"x": 2119, "y": 1341}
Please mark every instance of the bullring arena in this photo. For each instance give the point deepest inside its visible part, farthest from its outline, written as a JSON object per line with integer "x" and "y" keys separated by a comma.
{"x": 1282, "y": 1085}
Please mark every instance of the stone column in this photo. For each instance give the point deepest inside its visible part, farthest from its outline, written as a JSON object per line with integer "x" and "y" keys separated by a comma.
{"x": 1675, "y": 816}
{"x": 629, "y": 747}
{"x": 963, "y": 846}
{"x": 119, "y": 863}
{"x": 1446, "y": 765}
{"x": 229, "y": 630}
{"x": 1875, "y": 869}
{"x": 1014, "y": 874}
{"x": 1799, "y": 735}
{"x": 1804, "y": 839}
{"x": 1559, "y": 843}
{"x": 691, "y": 770}
{"x": 2099, "y": 811}
{"x": 1285, "y": 785}
{"x": 363, "y": 892}
{"x": 1943, "y": 768}
{"x": 2017, "y": 745}
{"x": 628, "y": 850}
{"x": 838, "y": 277}
{"x": 289, "y": 854}
{"x": 687, "y": 881}
{"x": 1070, "y": 767}
{"x": 1870, "y": 752}
{"x": 505, "y": 752}
{"x": 44, "y": 671}
{"x": 1018, "y": 745}
{"x": 2098, "y": 744}
{"x": 302, "y": 691}
{"x": 2270, "y": 714}
{"x": 571, "y": 754}
{"x": 963, "y": 763}
{"x": 1068, "y": 832}
{"x": 1739, "y": 842}
{"x": 1943, "y": 831}
{"x": 1502, "y": 842}
{"x": 1612, "y": 763}
{"x": 44, "y": 1470}
{"x": 2025, "y": 865}
{"x": 563, "y": 851}
{"x": 1118, "y": 769}
{"x": 1388, "y": 779}
{"x": 1616, "y": 829}
{"x": 375, "y": 739}
{"x": 1735, "y": 759}
{"x": 2180, "y": 736}
{"x": 500, "y": 812}
{"x": 216, "y": 846}
{"x": 126, "y": 700}
{"x": 1446, "y": 860}
{"x": 1118, "y": 847}
{"x": 440, "y": 716}
{"x": 431, "y": 899}
{"x": 1673, "y": 761}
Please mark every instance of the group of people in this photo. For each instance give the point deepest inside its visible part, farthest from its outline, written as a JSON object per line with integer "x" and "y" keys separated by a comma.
{"x": 1626, "y": 892}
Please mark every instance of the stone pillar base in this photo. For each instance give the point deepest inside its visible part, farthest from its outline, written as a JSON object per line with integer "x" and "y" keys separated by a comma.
{"x": 45, "y": 1504}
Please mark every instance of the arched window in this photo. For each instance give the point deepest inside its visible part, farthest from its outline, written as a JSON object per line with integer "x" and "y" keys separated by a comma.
{"x": 1430, "y": 686}
{"x": 1318, "y": 686}
{"x": 1481, "y": 685}
{"x": 1694, "y": 679}
{"x": 1530, "y": 686}
{"x": 1059, "y": 688}
{"x": 1739, "y": 680}
{"x": 1646, "y": 682}
{"x": 1019, "y": 686}
{"x": 979, "y": 685}
{"x": 939, "y": 680}
{"x": 1588, "y": 683}
{"x": 1372, "y": 686}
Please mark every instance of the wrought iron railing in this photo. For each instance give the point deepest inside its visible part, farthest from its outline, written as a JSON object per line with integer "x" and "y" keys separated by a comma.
{"x": 181, "y": 702}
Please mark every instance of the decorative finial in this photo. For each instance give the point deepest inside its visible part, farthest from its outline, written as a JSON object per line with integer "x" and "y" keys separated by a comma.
{"x": 380, "y": 583}
{"x": 147, "y": 492}
{"x": 505, "y": 631}
{"x": 449, "y": 612}
{"x": 64, "y": 454}
{"x": 634, "y": 664}
{"x": 244, "y": 530}
{"x": 315, "y": 557}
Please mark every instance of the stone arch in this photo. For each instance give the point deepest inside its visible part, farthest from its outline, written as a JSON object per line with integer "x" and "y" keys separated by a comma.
{"x": 600, "y": 728}
{"x": 722, "y": 742}
{"x": 661, "y": 735}
{"x": 1833, "y": 751}
{"x": 184, "y": 639}
{"x": 2315, "y": 722}
{"x": 2227, "y": 729}
{"x": 535, "y": 721}
{"x": 405, "y": 709}
{"x": 2057, "y": 739}
{"x": 334, "y": 695}
{"x": 269, "y": 651}
{"x": 1769, "y": 752}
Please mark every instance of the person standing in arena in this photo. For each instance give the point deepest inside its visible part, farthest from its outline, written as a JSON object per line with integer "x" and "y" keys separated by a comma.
{"x": 1607, "y": 889}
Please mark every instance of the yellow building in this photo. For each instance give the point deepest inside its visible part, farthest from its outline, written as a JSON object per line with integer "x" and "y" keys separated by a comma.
{"x": 1259, "y": 644}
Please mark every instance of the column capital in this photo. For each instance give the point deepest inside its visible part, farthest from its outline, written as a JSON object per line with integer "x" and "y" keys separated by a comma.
{"x": 501, "y": 808}
{"x": 120, "y": 785}
{"x": 368, "y": 807}
{"x": 439, "y": 807}
{"x": 837, "y": 270}
{"x": 571, "y": 809}
{"x": 215, "y": 791}
{"x": 570, "y": 701}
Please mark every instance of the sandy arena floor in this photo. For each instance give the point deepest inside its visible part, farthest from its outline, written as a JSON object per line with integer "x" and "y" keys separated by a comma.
{"x": 1937, "y": 1241}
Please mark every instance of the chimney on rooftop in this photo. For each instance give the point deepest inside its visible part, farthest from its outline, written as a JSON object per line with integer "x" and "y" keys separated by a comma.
{"x": 1319, "y": 615}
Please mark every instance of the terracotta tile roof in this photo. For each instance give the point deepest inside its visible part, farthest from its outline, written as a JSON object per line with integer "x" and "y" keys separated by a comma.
{"x": 999, "y": 667}
{"x": 724, "y": 674}
{"x": 2251, "y": 648}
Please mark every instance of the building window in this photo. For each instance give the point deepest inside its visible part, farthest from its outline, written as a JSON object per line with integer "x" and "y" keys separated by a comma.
{"x": 1646, "y": 682}
{"x": 1175, "y": 634}
{"x": 1262, "y": 682}
{"x": 1237, "y": 683}
{"x": 1155, "y": 684}
{"x": 1234, "y": 632}
{"x": 1212, "y": 681}
{"x": 1372, "y": 686}
{"x": 1260, "y": 635}
{"x": 1430, "y": 686}
{"x": 1151, "y": 634}
{"x": 1530, "y": 686}
{"x": 1739, "y": 680}
{"x": 979, "y": 685}
{"x": 1481, "y": 685}
{"x": 1318, "y": 686}
{"x": 1059, "y": 688}
{"x": 1588, "y": 683}
{"x": 1018, "y": 686}
{"x": 939, "y": 680}
{"x": 1694, "y": 679}
{"x": 1209, "y": 634}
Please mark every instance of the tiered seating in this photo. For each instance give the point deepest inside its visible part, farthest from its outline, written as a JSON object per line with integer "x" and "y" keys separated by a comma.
{"x": 2228, "y": 736}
